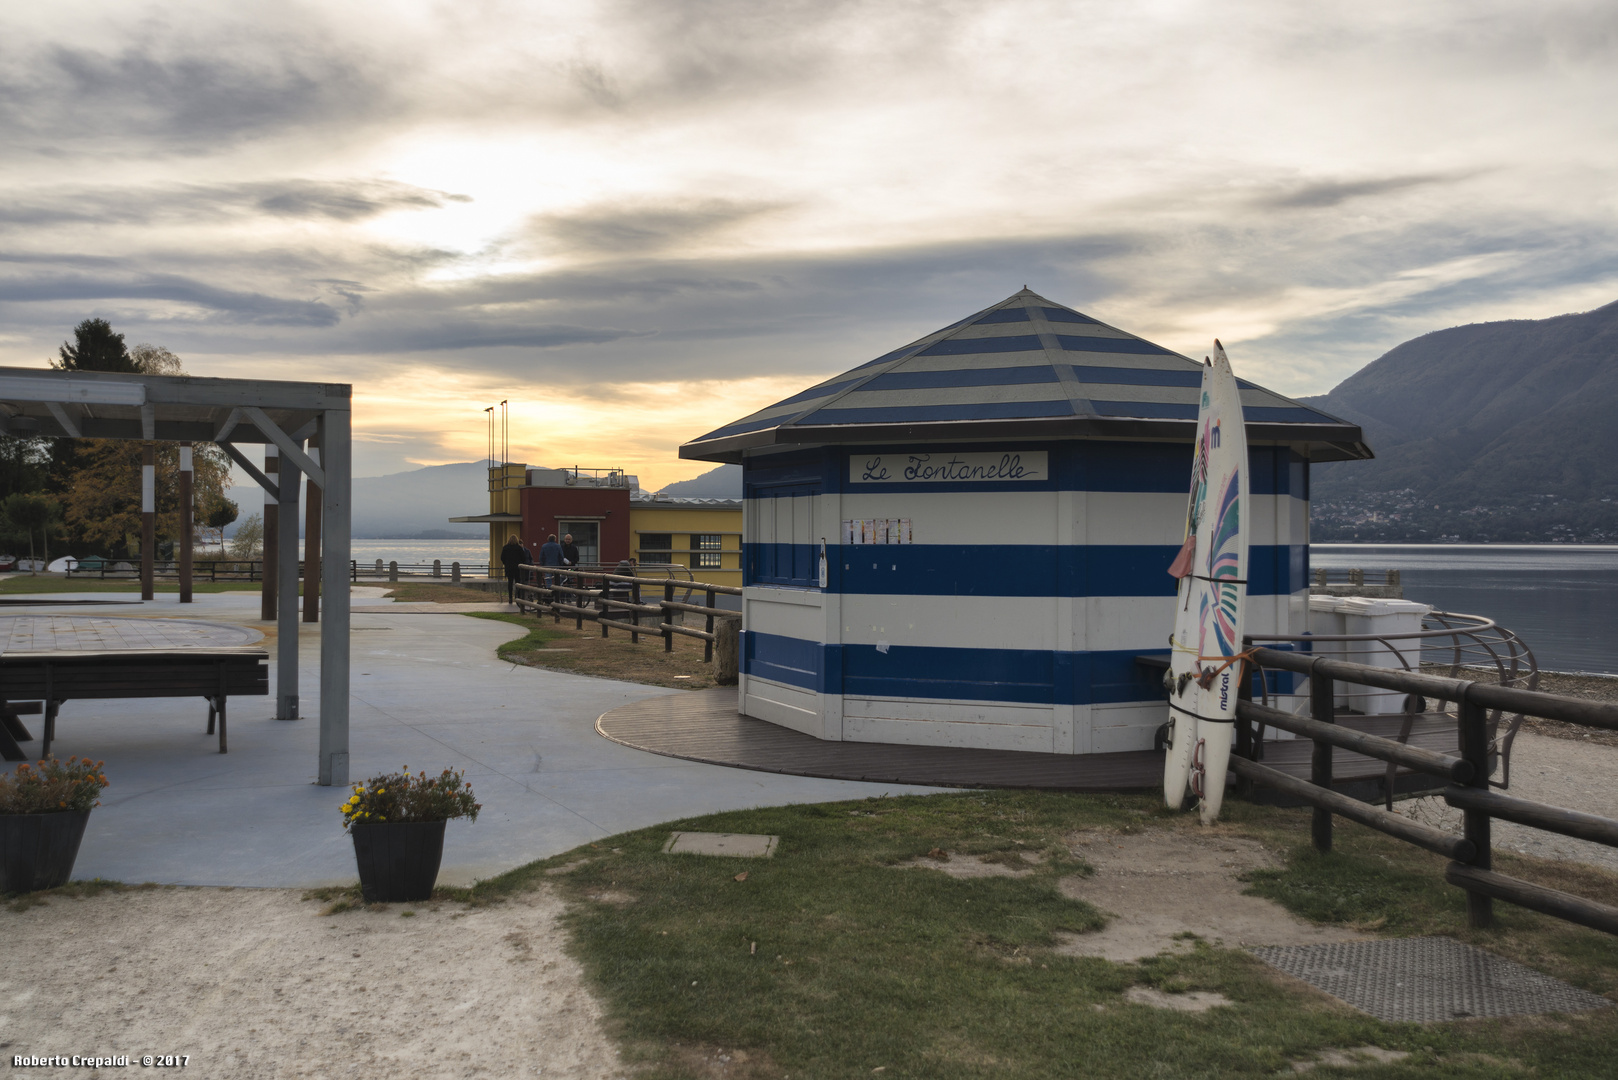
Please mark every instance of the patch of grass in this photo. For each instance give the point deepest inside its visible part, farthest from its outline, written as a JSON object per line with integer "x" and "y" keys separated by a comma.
{"x": 426, "y": 592}
{"x": 563, "y": 647}
{"x": 15, "y": 584}
{"x": 832, "y": 960}
{"x": 73, "y": 890}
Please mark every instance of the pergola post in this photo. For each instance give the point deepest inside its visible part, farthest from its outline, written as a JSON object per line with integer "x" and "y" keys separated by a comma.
{"x": 272, "y": 537}
{"x": 311, "y": 545}
{"x": 286, "y": 645}
{"x": 187, "y": 522}
{"x": 336, "y": 463}
{"x": 148, "y": 518}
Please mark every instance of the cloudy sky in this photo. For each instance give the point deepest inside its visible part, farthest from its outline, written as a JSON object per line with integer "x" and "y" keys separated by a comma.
{"x": 640, "y": 220}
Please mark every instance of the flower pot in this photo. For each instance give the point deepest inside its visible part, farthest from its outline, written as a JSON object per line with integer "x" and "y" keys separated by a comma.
{"x": 398, "y": 860}
{"x": 37, "y": 851}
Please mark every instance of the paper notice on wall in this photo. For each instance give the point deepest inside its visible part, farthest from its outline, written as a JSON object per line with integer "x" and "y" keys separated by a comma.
{"x": 848, "y": 531}
{"x": 905, "y": 536}
{"x": 882, "y": 529}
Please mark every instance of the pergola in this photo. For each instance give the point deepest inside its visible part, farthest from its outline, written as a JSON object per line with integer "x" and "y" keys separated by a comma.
{"x": 230, "y": 412}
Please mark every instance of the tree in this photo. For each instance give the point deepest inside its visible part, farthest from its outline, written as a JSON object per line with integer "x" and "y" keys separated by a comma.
{"x": 30, "y": 514}
{"x": 248, "y": 543}
{"x": 217, "y": 515}
{"x": 100, "y": 480}
{"x": 95, "y": 348}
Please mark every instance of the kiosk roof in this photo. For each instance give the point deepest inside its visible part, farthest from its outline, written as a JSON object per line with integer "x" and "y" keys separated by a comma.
{"x": 1025, "y": 368}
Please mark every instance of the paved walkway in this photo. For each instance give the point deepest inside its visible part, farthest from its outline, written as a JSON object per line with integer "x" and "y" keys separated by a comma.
{"x": 95, "y": 633}
{"x": 427, "y": 692}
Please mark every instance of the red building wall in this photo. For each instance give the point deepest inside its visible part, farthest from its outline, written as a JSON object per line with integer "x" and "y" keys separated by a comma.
{"x": 543, "y": 506}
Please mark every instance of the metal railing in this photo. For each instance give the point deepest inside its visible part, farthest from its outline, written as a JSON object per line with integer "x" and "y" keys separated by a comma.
{"x": 1448, "y": 643}
{"x": 1471, "y": 865}
{"x": 584, "y": 594}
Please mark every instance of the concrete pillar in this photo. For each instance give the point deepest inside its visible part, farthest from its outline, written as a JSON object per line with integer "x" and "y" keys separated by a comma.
{"x": 311, "y": 548}
{"x": 272, "y": 537}
{"x": 188, "y": 525}
{"x": 286, "y": 661}
{"x": 148, "y": 519}
{"x": 335, "y": 458}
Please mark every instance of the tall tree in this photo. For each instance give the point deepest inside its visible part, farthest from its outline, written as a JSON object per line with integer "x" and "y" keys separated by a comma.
{"x": 95, "y": 347}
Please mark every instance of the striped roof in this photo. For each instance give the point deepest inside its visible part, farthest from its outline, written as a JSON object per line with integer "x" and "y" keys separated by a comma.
{"x": 1025, "y": 368}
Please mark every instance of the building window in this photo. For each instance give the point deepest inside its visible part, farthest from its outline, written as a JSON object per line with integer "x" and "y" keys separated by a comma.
{"x": 706, "y": 548}
{"x": 656, "y": 547}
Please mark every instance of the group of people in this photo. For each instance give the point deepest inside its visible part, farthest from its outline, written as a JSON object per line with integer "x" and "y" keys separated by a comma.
{"x": 515, "y": 555}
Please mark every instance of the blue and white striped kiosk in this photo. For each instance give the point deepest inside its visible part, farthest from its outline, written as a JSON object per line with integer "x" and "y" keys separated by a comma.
{"x": 965, "y": 542}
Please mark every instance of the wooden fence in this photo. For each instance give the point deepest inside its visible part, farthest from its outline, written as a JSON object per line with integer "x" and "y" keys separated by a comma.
{"x": 1478, "y": 709}
{"x": 610, "y": 599}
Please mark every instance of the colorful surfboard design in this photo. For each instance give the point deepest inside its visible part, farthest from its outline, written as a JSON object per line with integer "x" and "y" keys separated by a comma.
{"x": 1212, "y": 568}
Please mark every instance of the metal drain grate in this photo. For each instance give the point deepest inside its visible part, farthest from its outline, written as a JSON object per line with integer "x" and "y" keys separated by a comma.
{"x": 1422, "y": 980}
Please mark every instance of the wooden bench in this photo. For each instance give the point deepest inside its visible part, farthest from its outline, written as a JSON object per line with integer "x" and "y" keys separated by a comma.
{"x": 54, "y": 677}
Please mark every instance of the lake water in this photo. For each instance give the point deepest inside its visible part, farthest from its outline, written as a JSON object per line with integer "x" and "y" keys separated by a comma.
{"x": 1562, "y": 600}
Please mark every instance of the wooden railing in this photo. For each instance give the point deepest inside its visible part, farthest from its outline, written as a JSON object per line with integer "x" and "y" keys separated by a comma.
{"x": 608, "y": 599}
{"x": 201, "y": 570}
{"x": 1471, "y": 866}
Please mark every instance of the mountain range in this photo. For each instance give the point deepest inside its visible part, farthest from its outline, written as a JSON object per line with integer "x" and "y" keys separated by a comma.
{"x": 1492, "y": 432}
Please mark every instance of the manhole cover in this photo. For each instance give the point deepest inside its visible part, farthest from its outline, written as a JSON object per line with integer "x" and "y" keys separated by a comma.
{"x": 746, "y": 845}
{"x": 1421, "y": 980}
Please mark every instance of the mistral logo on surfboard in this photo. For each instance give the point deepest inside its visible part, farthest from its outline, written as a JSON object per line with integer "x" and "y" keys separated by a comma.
{"x": 1010, "y": 467}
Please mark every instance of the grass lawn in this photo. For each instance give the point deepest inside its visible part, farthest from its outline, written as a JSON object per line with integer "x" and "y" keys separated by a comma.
{"x": 832, "y": 960}
{"x": 417, "y": 592}
{"x": 585, "y": 652}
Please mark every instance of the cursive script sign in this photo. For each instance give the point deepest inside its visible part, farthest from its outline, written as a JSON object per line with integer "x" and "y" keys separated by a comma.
{"x": 1007, "y": 467}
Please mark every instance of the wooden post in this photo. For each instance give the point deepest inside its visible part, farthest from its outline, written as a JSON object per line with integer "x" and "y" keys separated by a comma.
{"x": 188, "y": 525}
{"x": 668, "y": 616}
{"x": 311, "y": 546}
{"x": 707, "y": 646}
{"x": 1323, "y": 706}
{"x": 1474, "y": 733}
{"x": 148, "y": 518}
{"x": 272, "y": 537}
{"x": 634, "y": 616}
{"x": 286, "y": 604}
{"x": 727, "y": 647}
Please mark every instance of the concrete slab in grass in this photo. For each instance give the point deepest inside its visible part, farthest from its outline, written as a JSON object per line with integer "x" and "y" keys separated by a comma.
{"x": 744, "y": 845}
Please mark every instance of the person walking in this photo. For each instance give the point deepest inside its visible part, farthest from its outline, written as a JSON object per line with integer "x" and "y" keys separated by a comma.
{"x": 550, "y": 554}
{"x": 512, "y": 556}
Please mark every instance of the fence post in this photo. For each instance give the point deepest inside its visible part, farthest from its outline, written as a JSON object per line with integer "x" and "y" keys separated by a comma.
{"x": 634, "y": 616}
{"x": 707, "y": 646}
{"x": 455, "y": 572}
{"x": 1474, "y": 731}
{"x": 668, "y": 617}
{"x": 1244, "y": 726}
{"x": 1324, "y": 709}
{"x": 393, "y": 570}
{"x": 727, "y": 651}
{"x": 438, "y": 568}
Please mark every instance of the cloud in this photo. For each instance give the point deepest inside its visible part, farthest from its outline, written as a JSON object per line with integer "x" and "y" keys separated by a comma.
{"x": 1323, "y": 194}
{"x": 644, "y": 228}
{"x": 311, "y": 200}
{"x": 213, "y": 303}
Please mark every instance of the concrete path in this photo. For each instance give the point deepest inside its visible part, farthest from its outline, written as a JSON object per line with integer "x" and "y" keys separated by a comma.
{"x": 428, "y": 692}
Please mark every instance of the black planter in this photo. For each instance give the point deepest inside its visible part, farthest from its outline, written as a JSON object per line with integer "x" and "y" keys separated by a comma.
{"x": 398, "y": 860}
{"x": 37, "y": 850}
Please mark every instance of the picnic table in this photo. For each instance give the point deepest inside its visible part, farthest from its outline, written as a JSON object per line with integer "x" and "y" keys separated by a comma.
{"x": 51, "y": 659}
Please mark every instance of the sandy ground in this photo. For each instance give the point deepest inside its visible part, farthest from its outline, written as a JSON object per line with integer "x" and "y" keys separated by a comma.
{"x": 257, "y": 983}
{"x": 1571, "y": 773}
{"x": 1159, "y": 886}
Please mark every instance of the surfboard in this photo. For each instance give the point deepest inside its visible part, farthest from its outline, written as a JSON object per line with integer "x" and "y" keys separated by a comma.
{"x": 1212, "y": 569}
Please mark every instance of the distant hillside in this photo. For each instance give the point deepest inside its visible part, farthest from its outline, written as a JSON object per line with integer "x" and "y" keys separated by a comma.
{"x": 409, "y": 504}
{"x": 724, "y": 482}
{"x": 1491, "y": 432}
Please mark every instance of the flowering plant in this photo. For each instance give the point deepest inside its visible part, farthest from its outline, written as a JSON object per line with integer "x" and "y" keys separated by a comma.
{"x": 52, "y": 787}
{"x": 403, "y": 797}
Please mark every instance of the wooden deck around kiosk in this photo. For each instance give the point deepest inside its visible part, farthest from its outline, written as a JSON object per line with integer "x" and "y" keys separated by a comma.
{"x": 703, "y": 725}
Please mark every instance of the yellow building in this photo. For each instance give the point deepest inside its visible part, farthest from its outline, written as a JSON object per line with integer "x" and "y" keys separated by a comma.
{"x": 701, "y": 535}
{"x": 611, "y": 519}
